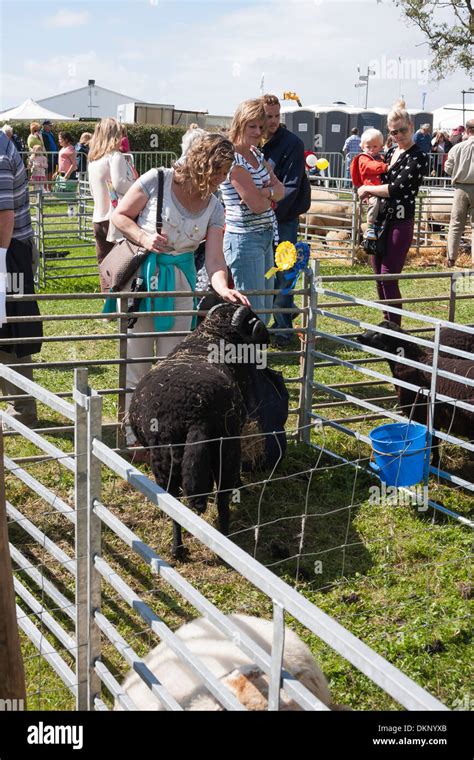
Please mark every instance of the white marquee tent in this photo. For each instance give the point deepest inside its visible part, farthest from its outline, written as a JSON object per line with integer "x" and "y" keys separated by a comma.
{"x": 451, "y": 115}
{"x": 30, "y": 110}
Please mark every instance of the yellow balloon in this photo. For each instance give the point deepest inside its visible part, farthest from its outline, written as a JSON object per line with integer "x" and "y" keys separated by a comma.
{"x": 322, "y": 164}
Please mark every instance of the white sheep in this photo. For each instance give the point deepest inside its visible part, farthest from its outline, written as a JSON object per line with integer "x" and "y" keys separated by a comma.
{"x": 230, "y": 665}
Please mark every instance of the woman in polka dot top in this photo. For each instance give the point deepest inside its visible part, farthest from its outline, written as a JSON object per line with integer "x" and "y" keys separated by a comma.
{"x": 407, "y": 167}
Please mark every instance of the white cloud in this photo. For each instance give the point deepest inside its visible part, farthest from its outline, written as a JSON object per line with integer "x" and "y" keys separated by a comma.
{"x": 65, "y": 18}
{"x": 311, "y": 48}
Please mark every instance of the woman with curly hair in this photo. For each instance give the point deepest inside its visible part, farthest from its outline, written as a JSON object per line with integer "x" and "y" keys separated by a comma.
{"x": 191, "y": 213}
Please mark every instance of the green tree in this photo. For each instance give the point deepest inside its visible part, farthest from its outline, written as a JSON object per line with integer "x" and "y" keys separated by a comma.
{"x": 448, "y": 26}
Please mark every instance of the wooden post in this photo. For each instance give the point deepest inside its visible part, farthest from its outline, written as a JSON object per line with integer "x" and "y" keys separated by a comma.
{"x": 12, "y": 674}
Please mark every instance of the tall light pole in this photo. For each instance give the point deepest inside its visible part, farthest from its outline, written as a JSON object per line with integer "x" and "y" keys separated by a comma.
{"x": 364, "y": 82}
{"x": 464, "y": 93}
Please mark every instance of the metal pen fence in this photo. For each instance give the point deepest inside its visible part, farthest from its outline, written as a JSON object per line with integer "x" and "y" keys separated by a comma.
{"x": 112, "y": 331}
{"x": 372, "y": 408}
{"x": 65, "y": 624}
{"x": 335, "y": 223}
{"x": 62, "y": 220}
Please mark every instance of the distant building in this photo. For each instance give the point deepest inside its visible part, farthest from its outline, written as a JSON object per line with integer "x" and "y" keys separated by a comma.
{"x": 95, "y": 102}
{"x": 139, "y": 112}
{"x": 91, "y": 101}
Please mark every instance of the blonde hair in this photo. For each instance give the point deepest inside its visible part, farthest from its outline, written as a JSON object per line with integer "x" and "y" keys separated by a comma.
{"x": 85, "y": 138}
{"x": 106, "y": 138}
{"x": 193, "y": 133}
{"x": 34, "y": 127}
{"x": 207, "y": 155}
{"x": 37, "y": 149}
{"x": 371, "y": 134}
{"x": 399, "y": 113}
{"x": 248, "y": 110}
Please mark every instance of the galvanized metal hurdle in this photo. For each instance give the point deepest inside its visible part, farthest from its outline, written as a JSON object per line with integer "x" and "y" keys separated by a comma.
{"x": 90, "y": 571}
{"x": 316, "y": 284}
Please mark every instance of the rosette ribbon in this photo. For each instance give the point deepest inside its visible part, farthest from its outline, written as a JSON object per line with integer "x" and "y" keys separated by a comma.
{"x": 300, "y": 265}
{"x": 285, "y": 258}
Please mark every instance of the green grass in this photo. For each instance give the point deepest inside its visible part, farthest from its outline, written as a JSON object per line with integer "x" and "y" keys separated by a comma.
{"x": 396, "y": 577}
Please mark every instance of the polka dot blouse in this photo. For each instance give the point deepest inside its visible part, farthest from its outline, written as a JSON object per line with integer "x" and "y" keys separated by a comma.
{"x": 404, "y": 178}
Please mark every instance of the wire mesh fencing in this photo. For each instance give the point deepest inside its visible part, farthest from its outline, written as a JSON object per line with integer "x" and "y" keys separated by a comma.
{"x": 86, "y": 605}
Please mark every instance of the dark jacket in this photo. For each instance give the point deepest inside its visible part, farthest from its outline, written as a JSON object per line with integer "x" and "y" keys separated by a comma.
{"x": 285, "y": 151}
{"x": 81, "y": 156}
{"x": 20, "y": 271}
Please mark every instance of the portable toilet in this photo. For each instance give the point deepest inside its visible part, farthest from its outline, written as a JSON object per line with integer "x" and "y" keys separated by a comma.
{"x": 331, "y": 128}
{"x": 366, "y": 120}
{"x": 421, "y": 117}
{"x": 303, "y": 126}
{"x": 301, "y": 122}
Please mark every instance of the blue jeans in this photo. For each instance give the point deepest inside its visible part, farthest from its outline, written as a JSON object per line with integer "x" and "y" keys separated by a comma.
{"x": 249, "y": 256}
{"x": 286, "y": 231}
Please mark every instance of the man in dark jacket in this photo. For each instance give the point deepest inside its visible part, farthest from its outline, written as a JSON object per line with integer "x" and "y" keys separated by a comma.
{"x": 285, "y": 152}
{"x": 50, "y": 146}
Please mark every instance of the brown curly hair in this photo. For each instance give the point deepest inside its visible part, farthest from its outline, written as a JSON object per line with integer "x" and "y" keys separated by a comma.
{"x": 207, "y": 156}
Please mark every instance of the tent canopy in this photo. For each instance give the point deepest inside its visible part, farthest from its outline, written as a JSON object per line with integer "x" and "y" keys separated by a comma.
{"x": 451, "y": 115}
{"x": 30, "y": 110}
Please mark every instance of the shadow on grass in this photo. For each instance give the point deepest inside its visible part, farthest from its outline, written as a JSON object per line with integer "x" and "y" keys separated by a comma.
{"x": 322, "y": 547}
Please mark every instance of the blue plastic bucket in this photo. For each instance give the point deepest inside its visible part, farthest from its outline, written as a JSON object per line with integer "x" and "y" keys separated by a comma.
{"x": 401, "y": 452}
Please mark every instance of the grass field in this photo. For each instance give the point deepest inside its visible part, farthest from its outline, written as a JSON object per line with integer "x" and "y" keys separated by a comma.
{"x": 396, "y": 577}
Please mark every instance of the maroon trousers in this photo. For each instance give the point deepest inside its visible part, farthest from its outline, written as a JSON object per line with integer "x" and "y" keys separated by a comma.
{"x": 399, "y": 239}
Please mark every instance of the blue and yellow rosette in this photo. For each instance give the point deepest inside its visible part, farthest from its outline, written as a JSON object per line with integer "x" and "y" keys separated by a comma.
{"x": 301, "y": 264}
{"x": 285, "y": 258}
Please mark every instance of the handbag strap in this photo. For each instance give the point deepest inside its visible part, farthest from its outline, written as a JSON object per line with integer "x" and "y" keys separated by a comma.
{"x": 159, "y": 203}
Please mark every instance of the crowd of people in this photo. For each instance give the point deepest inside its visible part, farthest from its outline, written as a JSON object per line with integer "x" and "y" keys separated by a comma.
{"x": 231, "y": 198}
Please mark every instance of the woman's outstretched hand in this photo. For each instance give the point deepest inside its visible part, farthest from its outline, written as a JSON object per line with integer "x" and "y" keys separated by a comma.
{"x": 233, "y": 296}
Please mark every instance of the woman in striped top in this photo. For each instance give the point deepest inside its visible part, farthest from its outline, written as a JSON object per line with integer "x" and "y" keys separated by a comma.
{"x": 250, "y": 193}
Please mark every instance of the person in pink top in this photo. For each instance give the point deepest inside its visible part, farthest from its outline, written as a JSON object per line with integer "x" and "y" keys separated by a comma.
{"x": 124, "y": 142}
{"x": 67, "y": 161}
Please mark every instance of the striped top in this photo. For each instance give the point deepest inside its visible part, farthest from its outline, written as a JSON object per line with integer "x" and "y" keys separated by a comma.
{"x": 14, "y": 189}
{"x": 238, "y": 216}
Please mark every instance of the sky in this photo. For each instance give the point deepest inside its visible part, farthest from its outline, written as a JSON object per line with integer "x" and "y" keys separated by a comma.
{"x": 212, "y": 55}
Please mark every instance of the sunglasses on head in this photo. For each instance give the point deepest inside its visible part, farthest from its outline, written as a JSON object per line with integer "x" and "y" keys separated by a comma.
{"x": 402, "y": 130}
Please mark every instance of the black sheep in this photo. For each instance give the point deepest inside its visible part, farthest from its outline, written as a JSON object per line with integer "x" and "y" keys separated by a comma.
{"x": 194, "y": 395}
{"x": 455, "y": 420}
{"x": 266, "y": 401}
{"x": 453, "y": 338}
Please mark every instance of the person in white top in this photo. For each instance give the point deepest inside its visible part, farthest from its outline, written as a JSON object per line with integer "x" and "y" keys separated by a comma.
{"x": 460, "y": 166}
{"x": 110, "y": 176}
{"x": 191, "y": 213}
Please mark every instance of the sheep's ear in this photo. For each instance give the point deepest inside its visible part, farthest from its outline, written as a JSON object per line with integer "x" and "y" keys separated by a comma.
{"x": 209, "y": 301}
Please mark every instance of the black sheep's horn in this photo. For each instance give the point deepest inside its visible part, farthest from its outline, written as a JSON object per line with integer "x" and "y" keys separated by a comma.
{"x": 239, "y": 318}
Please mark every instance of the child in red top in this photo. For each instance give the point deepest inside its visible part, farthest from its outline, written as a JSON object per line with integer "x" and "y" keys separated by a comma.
{"x": 366, "y": 169}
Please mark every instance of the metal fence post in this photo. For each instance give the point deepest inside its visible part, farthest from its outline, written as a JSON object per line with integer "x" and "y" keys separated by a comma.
{"x": 432, "y": 397}
{"x": 278, "y": 644}
{"x": 355, "y": 225}
{"x": 418, "y": 224}
{"x": 81, "y": 508}
{"x": 307, "y": 404}
{"x": 94, "y": 585}
{"x": 122, "y": 326}
{"x": 452, "y": 297}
